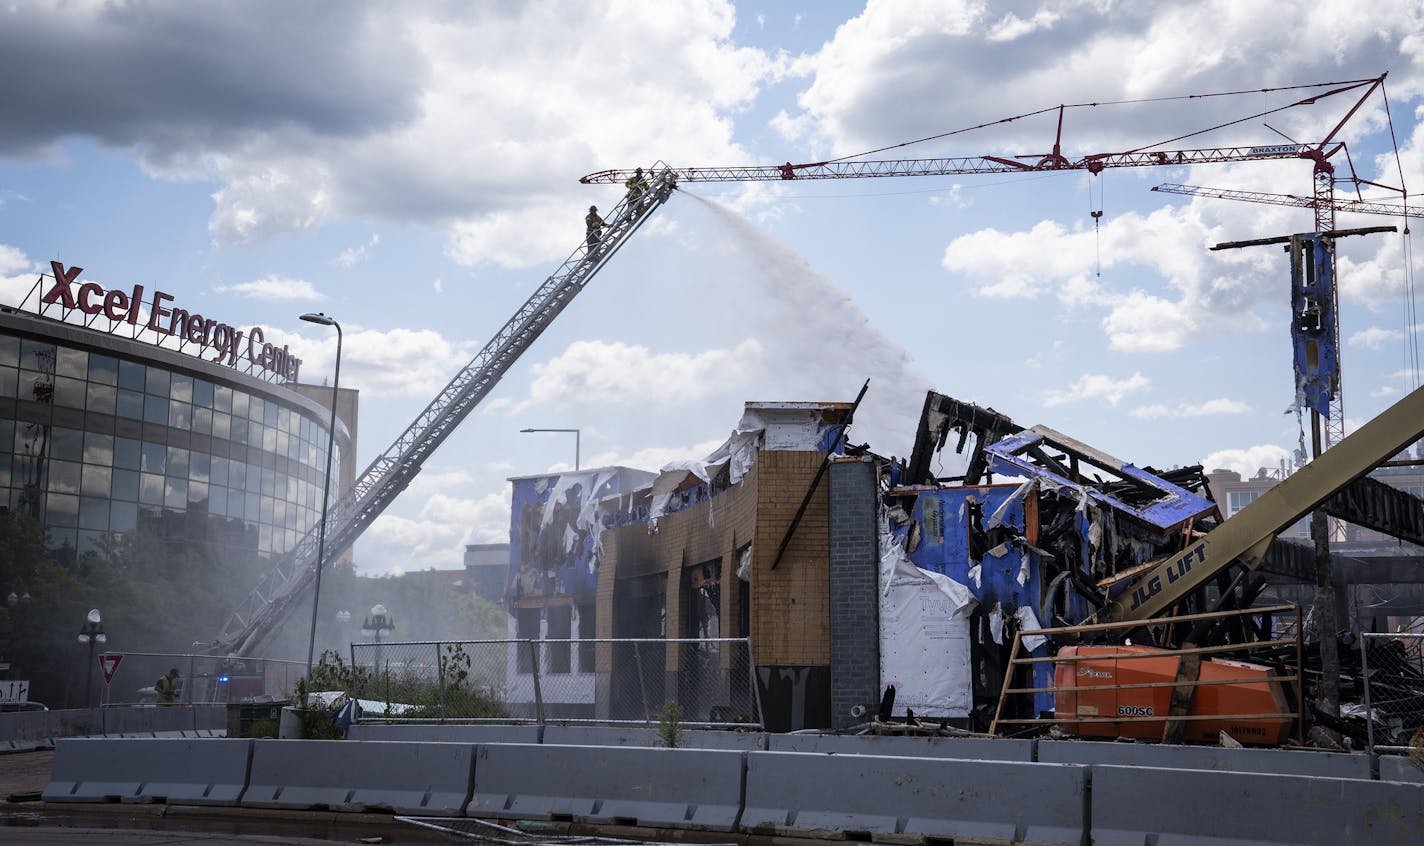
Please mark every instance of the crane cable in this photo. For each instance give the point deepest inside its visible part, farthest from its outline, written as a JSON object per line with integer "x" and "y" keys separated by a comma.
{"x": 1097, "y": 215}
{"x": 1410, "y": 316}
{"x": 1349, "y": 83}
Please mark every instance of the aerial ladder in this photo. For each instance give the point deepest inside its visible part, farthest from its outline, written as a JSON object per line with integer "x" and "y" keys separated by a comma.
{"x": 269, "y": 604}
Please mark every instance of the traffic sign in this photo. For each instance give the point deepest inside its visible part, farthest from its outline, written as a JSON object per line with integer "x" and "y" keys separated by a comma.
{"x": 109, "y": 663}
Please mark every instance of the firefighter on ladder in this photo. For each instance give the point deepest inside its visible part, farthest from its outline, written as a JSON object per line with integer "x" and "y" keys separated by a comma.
{"x": 638, "y": 187}
{"x": 595, "y": 225}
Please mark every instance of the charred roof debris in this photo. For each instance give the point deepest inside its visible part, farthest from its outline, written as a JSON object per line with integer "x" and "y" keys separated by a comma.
{"x": 1096, "y": 604}
{"x": 1051, "y": 546}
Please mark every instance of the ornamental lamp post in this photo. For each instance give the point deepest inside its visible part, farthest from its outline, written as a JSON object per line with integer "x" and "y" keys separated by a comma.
{"x": 322, "y": 320}
{"x": 378, "y": 623}
{"x": 91, "y": 633}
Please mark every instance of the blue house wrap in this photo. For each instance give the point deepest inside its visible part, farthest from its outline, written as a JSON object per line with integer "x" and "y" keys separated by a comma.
{"x": 1006, "y": 575}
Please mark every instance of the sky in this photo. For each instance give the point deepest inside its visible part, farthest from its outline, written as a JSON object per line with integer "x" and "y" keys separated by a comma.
{"x": 412, "y": 169}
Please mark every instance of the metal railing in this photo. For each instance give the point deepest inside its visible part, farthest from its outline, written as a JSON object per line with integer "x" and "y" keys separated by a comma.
{"x": 202, "y": 679}
{"x": 1392, "y": 666}
{"x": 599, "y": 681}
{"x": 1171, "y": 718}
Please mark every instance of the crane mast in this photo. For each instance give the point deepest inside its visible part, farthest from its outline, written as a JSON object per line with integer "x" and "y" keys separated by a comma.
{"x": 392, "y": 471}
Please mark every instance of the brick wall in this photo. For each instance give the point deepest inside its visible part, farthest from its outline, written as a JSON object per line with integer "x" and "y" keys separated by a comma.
{"x": 854, "y": 561}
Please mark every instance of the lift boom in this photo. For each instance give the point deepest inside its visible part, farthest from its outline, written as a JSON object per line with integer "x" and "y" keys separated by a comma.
{"x": 1246, "y": 537}
{"x": 389, "y": 474}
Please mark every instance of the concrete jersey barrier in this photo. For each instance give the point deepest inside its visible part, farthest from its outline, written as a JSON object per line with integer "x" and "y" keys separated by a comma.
{"x": 431, "y": 779}
{"x": 978, "y": 748}
{"x": 444, "y": 732}
{"x": 574, "y": 735}
{"x": 1400, "y": 768}
{"x": 873, "y": 797}
{"x": 666, "y": 788}
{"x": 171, "y": 771}
{"x": 1182, "y": 807}
{"x": 21, "y": 731}
{"x": 1275, "y": 761}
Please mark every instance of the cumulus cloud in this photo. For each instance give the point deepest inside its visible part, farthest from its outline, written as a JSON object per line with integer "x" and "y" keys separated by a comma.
{"x": 13, "y": 259}
{"x": 437, "y": 536}
{"x": 274, "y": 289}
{"x": 1208, "y": 295}
{"x": 17, "y": 274}
{"x": 885, "y": 69}
{"x": 654, "y": 458}
{"x": 1374, "y": 337}
{"x": 176, "y": 80}
{"x": 352, "y": 256}
{"x": 1092, "y": 386}
{"x": 395, "y": 362}
{"x": 1246, "y": 461}
{"x": 1210, "y": 408}
{"x": 363, "y": 110}
{"x": 630, "y": 373}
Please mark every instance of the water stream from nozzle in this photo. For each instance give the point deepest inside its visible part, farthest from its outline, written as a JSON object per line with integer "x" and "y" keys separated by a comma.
{"x": 820, "y": 344}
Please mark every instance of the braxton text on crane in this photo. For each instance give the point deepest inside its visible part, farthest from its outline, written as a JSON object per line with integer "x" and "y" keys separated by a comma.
{"x": 227, "y": 342}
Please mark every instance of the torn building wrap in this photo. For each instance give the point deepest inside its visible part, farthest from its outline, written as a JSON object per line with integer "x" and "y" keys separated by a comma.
{"x": 924, "y": 636}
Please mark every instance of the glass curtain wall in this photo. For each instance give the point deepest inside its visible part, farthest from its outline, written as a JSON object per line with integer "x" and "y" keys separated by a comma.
{"x": 206, "y": 462}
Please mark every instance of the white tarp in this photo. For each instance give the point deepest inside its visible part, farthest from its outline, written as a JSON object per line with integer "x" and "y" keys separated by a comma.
{"x": 924, "y": 636}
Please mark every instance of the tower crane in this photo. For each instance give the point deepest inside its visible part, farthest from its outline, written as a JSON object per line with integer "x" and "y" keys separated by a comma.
{"x": 1348, "y": 206}
{"x": 389, "y": 474}
{"x": 1320, "y": 154}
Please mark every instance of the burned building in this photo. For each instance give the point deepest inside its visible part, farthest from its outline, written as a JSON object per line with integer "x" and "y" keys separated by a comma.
{"x": 553, "y": 556}
{"x": 851, "y": 574}
{"x": 709, "y": 562}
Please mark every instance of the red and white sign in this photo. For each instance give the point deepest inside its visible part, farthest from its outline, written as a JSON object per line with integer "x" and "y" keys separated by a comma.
{"x": 110, "y": 665}
{"x": 227, "y": 342}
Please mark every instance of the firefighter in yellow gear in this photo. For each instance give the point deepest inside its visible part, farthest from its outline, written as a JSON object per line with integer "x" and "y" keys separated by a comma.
{"x": 637, "y": 186}
{"x": 166, "y": 688}
{"x": 595, "y": 225}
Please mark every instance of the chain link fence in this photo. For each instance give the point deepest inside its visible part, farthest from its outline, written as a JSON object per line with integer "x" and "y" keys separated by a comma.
{"x": 1393, "y": 670}
{"x": 202, "y": 679}
{"x": 602, "y": 681}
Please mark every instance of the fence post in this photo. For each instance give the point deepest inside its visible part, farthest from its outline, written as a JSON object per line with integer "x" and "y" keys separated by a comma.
{"x": 1365, "y": 682}
{"x": 755, "y": 688}
{"x": 440, "y": 674}
{"x": 192, "y": 679}
{"x": 642, "y": 683}
{"x": 538, "y": 692}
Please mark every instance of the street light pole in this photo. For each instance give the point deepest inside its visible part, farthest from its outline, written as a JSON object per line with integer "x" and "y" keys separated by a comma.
{"x": 91, "y": 633}
{"x": 577, "y": 436}
{"x": 379, "y": 622}
{"x": 323, "y": 320}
